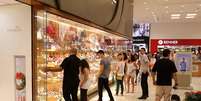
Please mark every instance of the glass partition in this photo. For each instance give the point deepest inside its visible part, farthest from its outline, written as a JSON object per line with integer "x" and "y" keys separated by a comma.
{"x": 55, "y": 36}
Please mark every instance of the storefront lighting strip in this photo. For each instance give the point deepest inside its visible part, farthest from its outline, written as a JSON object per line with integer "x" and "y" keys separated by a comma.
{"x": 95, "y": 31}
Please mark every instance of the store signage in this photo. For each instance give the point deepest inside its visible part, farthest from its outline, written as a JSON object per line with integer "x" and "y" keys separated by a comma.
{"x": 172, "y": 42}
{"x": 164, "y": 42}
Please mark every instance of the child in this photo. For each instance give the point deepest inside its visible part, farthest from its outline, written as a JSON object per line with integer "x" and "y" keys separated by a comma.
{"x": 84, "y": 80}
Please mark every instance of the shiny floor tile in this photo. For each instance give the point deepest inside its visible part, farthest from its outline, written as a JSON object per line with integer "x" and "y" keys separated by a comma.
{"x": 196, "y": 84}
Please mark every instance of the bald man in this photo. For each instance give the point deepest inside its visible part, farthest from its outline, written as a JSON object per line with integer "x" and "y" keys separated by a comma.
{"x": 70, "y": 65}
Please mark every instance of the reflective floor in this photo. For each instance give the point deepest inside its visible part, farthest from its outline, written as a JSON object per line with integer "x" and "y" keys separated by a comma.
{"x": 196, "y": 84}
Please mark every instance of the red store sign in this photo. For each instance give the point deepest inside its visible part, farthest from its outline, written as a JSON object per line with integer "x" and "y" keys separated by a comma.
{"x": 172, "y": 42}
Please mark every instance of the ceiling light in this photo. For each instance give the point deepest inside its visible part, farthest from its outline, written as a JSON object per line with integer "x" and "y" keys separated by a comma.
{"x": 165, "y": 0}
{"x": 145, "y": 3}
{"x": 182, "y": 6}
{"x": 166, "y": 7}
{"x": 175, "y": 15}
{"x": 147, "y": 8}
{"x": 190, "y": 17}
{"x": 200, "y": 4}
{"x": 192, "y": 14}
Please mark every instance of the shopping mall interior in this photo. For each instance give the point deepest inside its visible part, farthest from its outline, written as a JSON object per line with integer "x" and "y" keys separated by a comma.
{"x": 36, "y": 35}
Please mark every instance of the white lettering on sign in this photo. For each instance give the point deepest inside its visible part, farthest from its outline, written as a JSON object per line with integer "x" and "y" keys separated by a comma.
{"x": 164, "y": 42}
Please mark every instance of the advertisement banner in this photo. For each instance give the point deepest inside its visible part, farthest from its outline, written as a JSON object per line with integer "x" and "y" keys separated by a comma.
{"x": 20, "y": 78}
{"x": 184, "y": 66}
{"x": 184, "y": 61}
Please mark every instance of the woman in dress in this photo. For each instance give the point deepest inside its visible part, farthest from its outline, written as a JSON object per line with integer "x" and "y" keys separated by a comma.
{"x": 131, "y": 73}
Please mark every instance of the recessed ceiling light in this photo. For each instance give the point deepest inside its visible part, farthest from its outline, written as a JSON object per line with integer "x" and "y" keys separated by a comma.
{"x": 191, "y": 14}
{"x": 182, "y": 6}
{"x": 166, "y": 7}
{"x": 175, "y": 15}
{"x": 145, "y": 3}
{"x": 190, "y": 17}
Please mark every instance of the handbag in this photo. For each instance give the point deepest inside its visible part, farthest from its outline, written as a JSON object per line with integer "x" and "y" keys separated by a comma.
{"x": 119, "y": 77}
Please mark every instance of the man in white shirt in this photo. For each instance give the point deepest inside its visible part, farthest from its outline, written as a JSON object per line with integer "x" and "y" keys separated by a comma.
{"x": 144, "y": 69}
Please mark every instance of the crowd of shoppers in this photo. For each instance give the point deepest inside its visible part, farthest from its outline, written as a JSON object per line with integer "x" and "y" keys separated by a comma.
{"x": 129, "y": 67}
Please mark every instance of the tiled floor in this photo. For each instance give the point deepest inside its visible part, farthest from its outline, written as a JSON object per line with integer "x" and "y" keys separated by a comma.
{"x": 196, "y": 84}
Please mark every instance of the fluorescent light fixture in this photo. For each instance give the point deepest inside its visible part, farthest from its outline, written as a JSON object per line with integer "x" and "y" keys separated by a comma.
{"x": 190, "y": 17}
{"x": 191, "y": 14}
{"x": 175, "y": 15}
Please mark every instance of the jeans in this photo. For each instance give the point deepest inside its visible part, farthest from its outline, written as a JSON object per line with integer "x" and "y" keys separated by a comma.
{"x": 83, "y": 94}
{"x": 120, "y": 82}
{"x": 103, "y": 82}
{"x": 144, "y": 84}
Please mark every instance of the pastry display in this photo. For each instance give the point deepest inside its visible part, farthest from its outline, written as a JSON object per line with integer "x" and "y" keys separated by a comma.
{"x": 53, "y": 46}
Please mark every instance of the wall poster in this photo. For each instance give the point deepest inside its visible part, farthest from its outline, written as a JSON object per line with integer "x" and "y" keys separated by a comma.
{"x": 20, "y": 78}
{"x": 184, "y": 61}
{"x": 184, "y": 66}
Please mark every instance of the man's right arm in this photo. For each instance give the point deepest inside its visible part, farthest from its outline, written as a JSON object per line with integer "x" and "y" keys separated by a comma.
{"x": 174, "y": 74}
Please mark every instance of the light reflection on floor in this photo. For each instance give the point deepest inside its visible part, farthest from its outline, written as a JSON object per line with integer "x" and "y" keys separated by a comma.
{"x": 196, "y": 84}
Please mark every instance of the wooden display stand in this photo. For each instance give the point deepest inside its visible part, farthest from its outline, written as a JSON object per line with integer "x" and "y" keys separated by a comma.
{"x": 196, "y": 71}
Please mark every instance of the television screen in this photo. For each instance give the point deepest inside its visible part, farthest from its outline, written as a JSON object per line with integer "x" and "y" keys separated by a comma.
{"x": 141, "y": 30}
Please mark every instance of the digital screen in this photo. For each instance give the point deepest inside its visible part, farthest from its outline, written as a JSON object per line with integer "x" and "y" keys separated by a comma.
{"x": 141, "y": 30}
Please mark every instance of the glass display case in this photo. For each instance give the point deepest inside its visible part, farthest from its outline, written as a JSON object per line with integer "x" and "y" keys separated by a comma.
{"x": 54, "y": 37}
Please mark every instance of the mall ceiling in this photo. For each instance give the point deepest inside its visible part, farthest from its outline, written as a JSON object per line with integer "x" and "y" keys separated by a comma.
{"x": 7, "y": 2}
{"x": 167, "y": 11}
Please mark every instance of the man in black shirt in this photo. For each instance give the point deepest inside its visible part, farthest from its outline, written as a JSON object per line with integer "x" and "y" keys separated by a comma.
{"x": 164, "y": 70}
{"x": 70, "y": 65}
